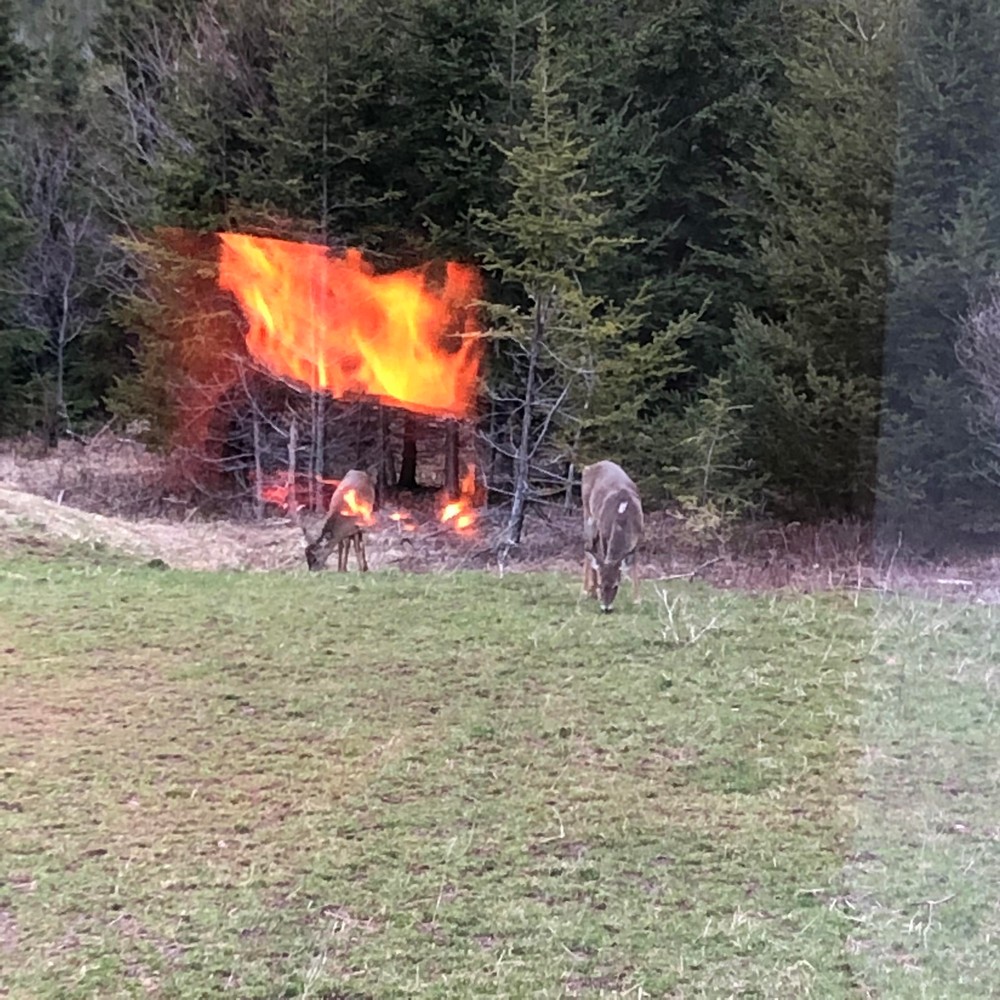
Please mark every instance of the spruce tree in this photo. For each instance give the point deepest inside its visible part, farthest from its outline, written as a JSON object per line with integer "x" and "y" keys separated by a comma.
{"x": 805, "y": 359}
{"x": 542, "y": 247}
{"x": 945, "y": 244}
{"x": 322, "y": 128}
{"x": 64, "y": 189}
{"x": 681, "y": 95}
{"x": 18, "y": 345}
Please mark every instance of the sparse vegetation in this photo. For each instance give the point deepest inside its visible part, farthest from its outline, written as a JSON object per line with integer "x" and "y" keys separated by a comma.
{"x": 280, "y": 784}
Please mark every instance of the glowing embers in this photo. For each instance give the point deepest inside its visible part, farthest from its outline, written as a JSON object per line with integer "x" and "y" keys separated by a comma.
{"x": 459, "y": 515}
{"x": 407, "y": 338}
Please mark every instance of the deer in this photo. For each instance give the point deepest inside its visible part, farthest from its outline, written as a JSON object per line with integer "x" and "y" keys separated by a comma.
{"x": 349, "y": 511}
{"x": 612, "y": 531}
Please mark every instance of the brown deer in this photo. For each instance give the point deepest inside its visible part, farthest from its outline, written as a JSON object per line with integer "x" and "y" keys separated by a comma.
{"x": 612, "y": 530}
{"x": 350, "y": 510}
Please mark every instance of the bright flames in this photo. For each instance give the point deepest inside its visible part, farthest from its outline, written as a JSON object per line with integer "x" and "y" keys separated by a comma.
{"x": 353, "y": 504}
{"x": 335, "y": 325}
{"x": 460, "y": 513}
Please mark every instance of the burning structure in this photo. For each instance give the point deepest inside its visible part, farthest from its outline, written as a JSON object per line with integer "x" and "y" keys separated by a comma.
{"x": 317, "y": 336}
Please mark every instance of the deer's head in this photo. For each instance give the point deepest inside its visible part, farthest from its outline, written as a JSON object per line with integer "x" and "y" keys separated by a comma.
{"x": 609, "y": 578}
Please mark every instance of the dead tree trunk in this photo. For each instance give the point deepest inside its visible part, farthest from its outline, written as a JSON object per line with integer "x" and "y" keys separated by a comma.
{"x": 522, "y": 457}
{"x": 258, "y": 468}
{"x": 291, "y": 500}
{"x": 317, "y": 464}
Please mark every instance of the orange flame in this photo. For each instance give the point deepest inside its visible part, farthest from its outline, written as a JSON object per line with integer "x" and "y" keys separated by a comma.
{"x": 460, "y": 513}
{"x": 353, "y": 504}
{"x": 281, "y": 492}
{"x": 403, "y": 520}
{"x": 335, "y": 325}
{"x": 276, "y": 493}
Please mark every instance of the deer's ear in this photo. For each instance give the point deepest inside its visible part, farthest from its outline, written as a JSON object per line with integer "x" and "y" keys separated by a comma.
{"x": 593, "y": 560}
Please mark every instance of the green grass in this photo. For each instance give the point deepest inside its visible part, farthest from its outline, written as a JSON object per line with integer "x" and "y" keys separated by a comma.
{"x": 329, "y": 786}
{"x": 925, "y": 869}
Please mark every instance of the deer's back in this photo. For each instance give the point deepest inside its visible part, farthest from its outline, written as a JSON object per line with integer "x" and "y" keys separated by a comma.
{"x": 355, "y": 480}
{"x": 612, "y": 506}
{"x": 604, "y": 480}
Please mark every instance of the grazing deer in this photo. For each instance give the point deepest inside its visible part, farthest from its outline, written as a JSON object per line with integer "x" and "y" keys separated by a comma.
{"x": 350, "y": 510}
{"x": 612, "y": 530}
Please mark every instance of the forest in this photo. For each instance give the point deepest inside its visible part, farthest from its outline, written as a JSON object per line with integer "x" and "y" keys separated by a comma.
{"x": 749, "y": 249}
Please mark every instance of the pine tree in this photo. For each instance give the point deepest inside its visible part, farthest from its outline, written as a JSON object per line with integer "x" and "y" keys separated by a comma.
{"x": 805, "y": 362}
{"x": 945, "y": 245}
{"x": 18, "y": 346}
{"x": 542, "y": 246}
{"x": 322, "y": 128}
{"x": 449, "y": 97}
{"x": 681, "y": 94}
{"x": 13, "y": 56}
{"x": 64, "y": 187}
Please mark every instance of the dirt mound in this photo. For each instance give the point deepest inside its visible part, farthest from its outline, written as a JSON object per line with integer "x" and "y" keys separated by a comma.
{"x": 192, "y": 545}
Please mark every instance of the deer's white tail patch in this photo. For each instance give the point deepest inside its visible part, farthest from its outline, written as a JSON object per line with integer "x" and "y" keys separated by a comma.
{"x": 623, "y": 506}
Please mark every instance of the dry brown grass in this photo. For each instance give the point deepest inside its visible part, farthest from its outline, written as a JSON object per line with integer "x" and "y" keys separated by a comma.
{"x": 110, "y": 491}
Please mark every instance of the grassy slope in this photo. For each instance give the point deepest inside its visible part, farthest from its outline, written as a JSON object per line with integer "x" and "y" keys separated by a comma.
{"x": 442, "y": 786}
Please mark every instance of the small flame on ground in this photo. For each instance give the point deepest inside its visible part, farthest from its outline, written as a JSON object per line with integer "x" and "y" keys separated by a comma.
{"x": 278, "y": 490}
{"x": 276, "y": 493}
{"x": 403, "y": 520}
{"x": 460, "y": 514}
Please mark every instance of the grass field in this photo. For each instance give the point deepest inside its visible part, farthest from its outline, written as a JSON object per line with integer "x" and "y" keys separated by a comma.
{"x": 289, "y": 785}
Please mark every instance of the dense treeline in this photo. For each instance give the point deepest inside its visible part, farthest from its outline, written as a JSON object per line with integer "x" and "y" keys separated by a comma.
{"x": 730, "y": 242}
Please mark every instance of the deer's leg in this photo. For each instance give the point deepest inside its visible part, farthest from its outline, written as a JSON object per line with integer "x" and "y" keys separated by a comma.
{"x": 589, "y": 573}
{"x": 342, "y": 555}
{"x": 589, "y": 545}
{"x": 359, "y": 544}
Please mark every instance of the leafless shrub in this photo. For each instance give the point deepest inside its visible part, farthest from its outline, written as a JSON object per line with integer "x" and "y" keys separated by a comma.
{"x": 675, "y": 627}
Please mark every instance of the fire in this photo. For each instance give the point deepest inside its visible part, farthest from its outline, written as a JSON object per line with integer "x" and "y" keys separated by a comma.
{"x": 335, "y": 325}
{"x": 460, "y": 513}
{"x": 356, "y": 506}
{"x": 283, "y": 492}
{"x": 276, "y": 493}
{"x": 403, "y": 520}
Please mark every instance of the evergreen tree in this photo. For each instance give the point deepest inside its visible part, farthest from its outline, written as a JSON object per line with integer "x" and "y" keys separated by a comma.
{"x": 13, "y": 56}
{"x": 62, "y": 196}
{"x": 681, "y": 98}
{"x": 805, "y": 364}
{"x": 546, "y": 243}
{"x": 945, "y": 245}
{"x": 449, "y": 98}
{"x": 18, "y": 346}
{"x": 323, "y": 127}
{"x": 211, "y": 150}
